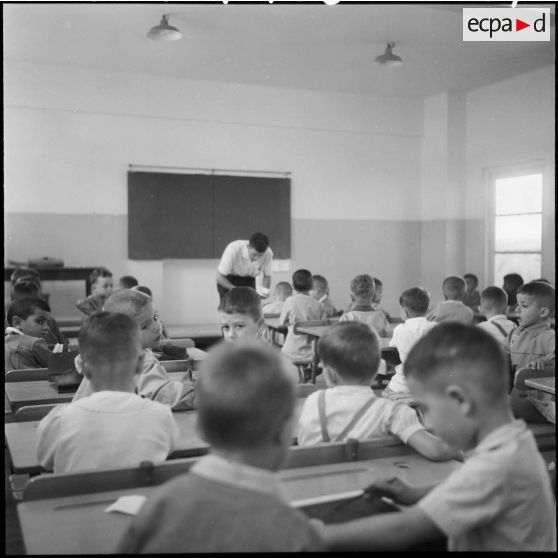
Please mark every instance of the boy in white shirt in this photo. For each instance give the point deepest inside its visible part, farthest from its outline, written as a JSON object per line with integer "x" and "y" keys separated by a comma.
{"x": 493, "y": 304}
{"x": 350, "y": 354}
{"x": 283, "y": 290}
{"x": 414, "y": 307}
{"x": 501, "y": 498}
{"x": 452, "y": 308}
{"x": 113, "y": 427}
{"x": 320, "y": 291}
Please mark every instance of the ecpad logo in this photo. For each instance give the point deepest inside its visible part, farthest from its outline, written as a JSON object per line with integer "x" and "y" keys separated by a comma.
{"x": 506, "y": 24}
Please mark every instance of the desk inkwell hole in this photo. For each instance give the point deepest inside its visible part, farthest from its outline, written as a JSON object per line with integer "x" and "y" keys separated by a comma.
{"x": 402, "y": 465}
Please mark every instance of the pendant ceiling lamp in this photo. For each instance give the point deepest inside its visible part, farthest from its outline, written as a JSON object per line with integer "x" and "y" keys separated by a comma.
{"x": 164, "y": 31}
{"x": 388, "y": 58}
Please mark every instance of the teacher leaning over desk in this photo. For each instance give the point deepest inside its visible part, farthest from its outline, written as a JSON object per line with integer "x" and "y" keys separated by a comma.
{"x": 242, "y": 261}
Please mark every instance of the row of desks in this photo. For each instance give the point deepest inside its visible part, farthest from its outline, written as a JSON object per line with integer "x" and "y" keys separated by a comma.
{"x": 79, "y": 524}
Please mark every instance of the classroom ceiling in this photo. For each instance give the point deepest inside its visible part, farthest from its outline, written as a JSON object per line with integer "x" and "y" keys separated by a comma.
{"x": 304, "y": 46}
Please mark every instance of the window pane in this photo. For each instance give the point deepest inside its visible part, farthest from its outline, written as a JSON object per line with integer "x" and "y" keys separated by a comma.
{"x": 520, "y": 194}
{"x": 518, "y": 233}
{"x": 527, "y": 265}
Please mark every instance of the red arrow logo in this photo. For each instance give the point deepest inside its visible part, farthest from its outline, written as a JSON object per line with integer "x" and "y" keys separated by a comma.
{"x": 519, "y": 25}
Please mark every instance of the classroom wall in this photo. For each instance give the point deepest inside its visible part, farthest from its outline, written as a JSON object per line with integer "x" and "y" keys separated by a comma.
{"x": 71, "y": 134}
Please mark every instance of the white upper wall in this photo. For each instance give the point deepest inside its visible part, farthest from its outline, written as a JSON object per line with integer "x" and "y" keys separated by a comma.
{"x": 76, "y": 132}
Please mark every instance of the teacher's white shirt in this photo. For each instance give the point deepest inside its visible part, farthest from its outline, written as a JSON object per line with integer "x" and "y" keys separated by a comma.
{"x": 236, "y": 261}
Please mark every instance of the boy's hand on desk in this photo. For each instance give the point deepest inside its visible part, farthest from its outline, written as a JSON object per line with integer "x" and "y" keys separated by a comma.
{"x": 394, "y": 488}
{"x": 538, "y": 364}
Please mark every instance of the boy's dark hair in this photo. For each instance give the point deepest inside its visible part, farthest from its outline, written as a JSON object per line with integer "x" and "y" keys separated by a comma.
{"x": 143, "y": 289}
{"x": 302, "y": 280}
{"x": 363, "y": 286}
{"x": 242, "y": 300}
{"x": 352, "y": 349}
{"x": 495, "y": 296}
{"x": 259, "y": 241}
{"x": 245, "y": 397}
{"x": 454, "y": 287}
{"x": 542, "y": 280}
{"x": 26, "y": 287}
{"x": 458, "y": 353}
{"x": 128, "y": 281}
{"x": 25, "y": 307}
{"x": 321, "y": 280}
{"x": 107, "y": 337}
{"x": 473, "y": 278}
{"x": 415, "y": 300}
{"x": 377, "y": 282}
{"x": 20, "y": 272}
{"x": 543, "y": 293}
{"x": 99, "y": 272}
{"x": 512, "y": 281}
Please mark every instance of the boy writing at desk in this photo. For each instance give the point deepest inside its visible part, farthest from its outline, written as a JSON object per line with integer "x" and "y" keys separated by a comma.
{"x": 501, "y": 498}
{"x": 229, "y": 501}
{"x": 112, "y": 427}
{"x": 152, "y": 381}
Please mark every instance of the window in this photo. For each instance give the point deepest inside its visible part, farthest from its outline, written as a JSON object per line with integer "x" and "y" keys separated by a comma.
{"x": 517, "y": 225}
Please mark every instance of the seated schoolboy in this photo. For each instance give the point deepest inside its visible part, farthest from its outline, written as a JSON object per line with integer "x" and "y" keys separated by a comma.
{"x": 230, "y": 501}
{"x": 283, "y": 290}
{"x": 112, "y": 427}
{"x": 350, "y": 354}
{"x": 153, "y": 381}
{"x": 241, "y": 317}
{"x": 414, "y": 307}
{"x": 493, "y": 304}
{"x": 320, "y": 291}
{"x": 362, "y": 293}
{"x": 472, "y": 296}
{"x": 512, "y": 282}
{"x": 378, "y": 295}
{"x": 532, "y": 344}
{"x": 30, "y": 287}
{"x": 127, "y": 282}
{"x": 24, "y": 344}
{"x": 101, "y": 287}
{"x": 146, "y": 290}
{"x": 300, "y": 307}
{"x": 452, "y": 308}
{"x": 500, "y": 499}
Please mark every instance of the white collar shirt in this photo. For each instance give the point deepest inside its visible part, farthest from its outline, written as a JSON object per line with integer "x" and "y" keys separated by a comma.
{"x": 236, "y": 261}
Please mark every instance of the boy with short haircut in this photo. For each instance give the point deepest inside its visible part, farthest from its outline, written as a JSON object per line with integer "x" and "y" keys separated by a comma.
{"x": 501, "y": 498}
{"x": 414, "y": 304}
{"x": 452, "y": 308}
{"x": 101, "y": 288}
{"x": 532, "y": 344}
{"x": 283, "y": 290}
{"x": 472, "y": 296}
{"x": 127, "y": 282}
{"x": 493, "y": 304}
{"x": 25, "y": 345}
{"x": 153, "y": 381}
{"x": 229, "y": 501}
{"x": 350, "y": 354}
{"x": 320, "y": 291}
{"x": 378, "y": 295}
{"x": 362, "y": 292}
{"x": 241, "y": 316}
{"x": 512, "y": 282}
{"x": 299, "y": 308}
{"x": 113, "y": 427}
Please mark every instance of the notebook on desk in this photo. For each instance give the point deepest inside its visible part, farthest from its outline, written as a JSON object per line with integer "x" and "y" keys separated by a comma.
{"x": 67, "y": 382}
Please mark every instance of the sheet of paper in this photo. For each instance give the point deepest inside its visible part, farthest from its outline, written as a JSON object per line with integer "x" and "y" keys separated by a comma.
{"x": 130, "y": 505}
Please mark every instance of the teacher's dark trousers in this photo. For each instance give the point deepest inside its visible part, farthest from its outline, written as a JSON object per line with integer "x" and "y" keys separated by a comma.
{"x": 237, "y": 281}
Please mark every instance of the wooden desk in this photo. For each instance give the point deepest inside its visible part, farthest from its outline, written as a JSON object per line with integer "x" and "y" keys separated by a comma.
{"x": 318, "y": 331}
{"x": 194, "y": 331}
{"x": 59, "y": 274}
{"x": 21, "y": 440}
{"x": 542, "y": 384}
{"x": 78, "y": 524}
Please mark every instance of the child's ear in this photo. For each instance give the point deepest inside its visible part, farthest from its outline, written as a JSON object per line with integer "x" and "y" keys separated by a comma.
{"x": 330, "y": 376}
{"x": 86, "y": 373}
{"x": 545, "y": 312}
{"x": 139, "y": 364}
{"x": 17, "y": 322}
{"x": 284, "y": 436}
{"x": 461, "y": 397}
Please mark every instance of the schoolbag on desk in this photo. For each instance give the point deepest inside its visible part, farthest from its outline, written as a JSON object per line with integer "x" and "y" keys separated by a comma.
{"x": 60, "y": 363}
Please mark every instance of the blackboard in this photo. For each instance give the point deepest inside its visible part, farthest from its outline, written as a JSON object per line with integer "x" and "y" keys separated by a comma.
{"x": 175, "y": 216}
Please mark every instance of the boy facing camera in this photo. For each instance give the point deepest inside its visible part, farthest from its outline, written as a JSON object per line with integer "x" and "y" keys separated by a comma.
{"x": 452, "y": 308}
{"x": 113, "y": 427}
{"x": 501, "y": 498}
{"x": 101, "y": 288}
{"x": 153, "y": 381}
{"x": 350, "y": 354}
{"x": 229, "y": 501}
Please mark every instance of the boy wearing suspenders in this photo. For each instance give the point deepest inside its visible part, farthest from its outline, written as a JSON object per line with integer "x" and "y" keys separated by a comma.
{"x": 494, "y": 302}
